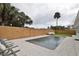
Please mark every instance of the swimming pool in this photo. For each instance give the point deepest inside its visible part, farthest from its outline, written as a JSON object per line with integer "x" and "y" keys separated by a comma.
{"x": 50, "y": 42}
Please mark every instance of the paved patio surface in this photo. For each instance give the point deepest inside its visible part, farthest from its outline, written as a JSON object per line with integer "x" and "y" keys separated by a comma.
{"x": 68, "y": 47}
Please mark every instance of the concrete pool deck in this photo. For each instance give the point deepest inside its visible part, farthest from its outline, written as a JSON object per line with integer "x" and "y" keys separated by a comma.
{"x": 68, "y": 47}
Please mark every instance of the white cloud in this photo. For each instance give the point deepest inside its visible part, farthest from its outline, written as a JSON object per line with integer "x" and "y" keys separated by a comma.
{"x": 42, "y": 13}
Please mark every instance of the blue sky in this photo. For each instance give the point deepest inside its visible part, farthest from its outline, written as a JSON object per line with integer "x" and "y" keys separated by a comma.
{"x": 42, "y": 13}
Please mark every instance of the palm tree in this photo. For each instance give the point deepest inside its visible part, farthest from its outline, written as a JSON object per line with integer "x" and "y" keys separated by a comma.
{"x": 57, "y": 16}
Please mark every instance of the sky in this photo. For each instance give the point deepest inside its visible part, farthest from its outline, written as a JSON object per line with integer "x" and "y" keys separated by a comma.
{"x": 42, "y": 13}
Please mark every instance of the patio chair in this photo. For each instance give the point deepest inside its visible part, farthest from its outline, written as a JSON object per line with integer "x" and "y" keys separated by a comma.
{"x": 7, "y": 48}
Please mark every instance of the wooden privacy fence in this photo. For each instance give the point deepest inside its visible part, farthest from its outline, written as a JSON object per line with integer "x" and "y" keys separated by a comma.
{"x": 17, "y": 32}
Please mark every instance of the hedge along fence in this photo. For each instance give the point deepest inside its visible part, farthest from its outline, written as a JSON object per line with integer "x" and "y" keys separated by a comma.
{"x": 17, "y": 32}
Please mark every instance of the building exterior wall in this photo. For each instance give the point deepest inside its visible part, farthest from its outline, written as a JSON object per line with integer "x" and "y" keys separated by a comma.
{"x": 76, "y": 23}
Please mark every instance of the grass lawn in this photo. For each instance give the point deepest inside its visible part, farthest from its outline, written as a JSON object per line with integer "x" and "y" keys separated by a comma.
{"x": 62, "y": 34}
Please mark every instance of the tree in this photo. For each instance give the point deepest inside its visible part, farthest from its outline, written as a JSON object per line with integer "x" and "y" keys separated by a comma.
{"x": 21, "y": 19}
{"x": 28, "y": 21}
{"x": 57, "y": 16}
{"x": 7, "y": 13}
{"x": 4, "y": 8}
{"x": 10, "y": 16}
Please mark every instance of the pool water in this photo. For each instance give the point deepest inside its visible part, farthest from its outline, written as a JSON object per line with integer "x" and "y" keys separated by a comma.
{"x": 49, "y": 42}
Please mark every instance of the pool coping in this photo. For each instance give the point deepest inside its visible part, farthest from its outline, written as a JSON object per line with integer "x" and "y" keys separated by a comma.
{"x": 31, "y": 38}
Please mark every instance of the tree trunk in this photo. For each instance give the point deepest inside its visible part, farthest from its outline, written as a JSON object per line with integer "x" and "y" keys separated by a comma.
{"x": 56, "y": 22}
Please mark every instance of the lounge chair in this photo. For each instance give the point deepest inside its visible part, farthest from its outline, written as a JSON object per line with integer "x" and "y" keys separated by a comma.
{"x": 6, "y": 48}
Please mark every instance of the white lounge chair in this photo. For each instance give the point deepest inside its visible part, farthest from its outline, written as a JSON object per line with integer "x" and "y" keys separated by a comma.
{"x": 6, "y": 48}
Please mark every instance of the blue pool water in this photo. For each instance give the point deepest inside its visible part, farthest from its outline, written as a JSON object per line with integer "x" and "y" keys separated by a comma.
{"x": 49, "y": 42}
